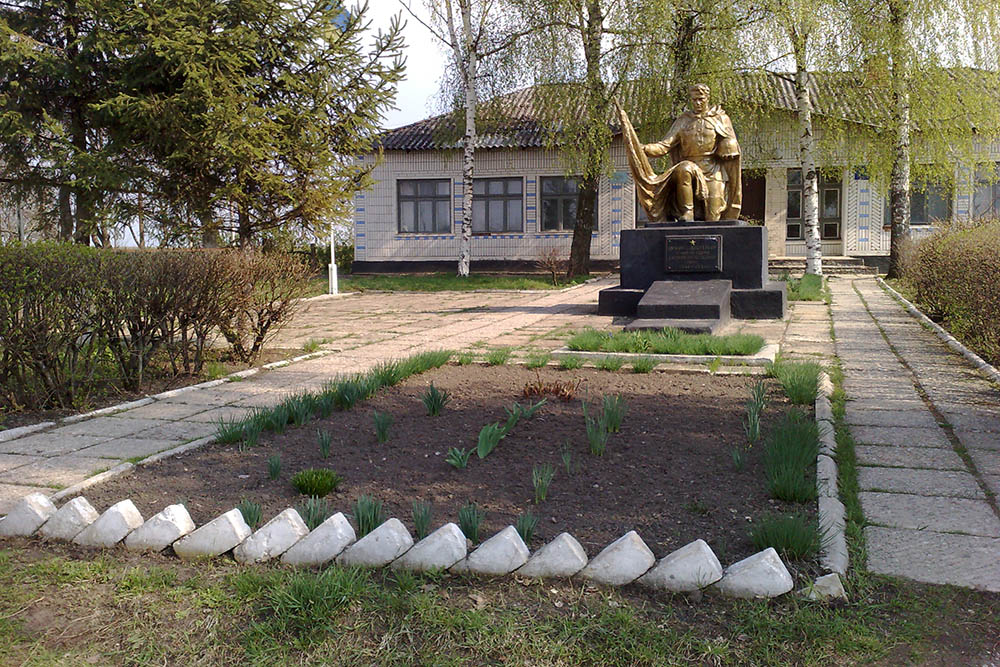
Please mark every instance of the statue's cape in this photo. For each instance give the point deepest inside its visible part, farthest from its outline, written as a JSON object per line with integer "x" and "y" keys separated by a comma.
{"x": 650, "y": 185}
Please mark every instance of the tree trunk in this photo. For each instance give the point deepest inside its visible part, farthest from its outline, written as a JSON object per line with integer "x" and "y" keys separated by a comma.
{"x": 685, "y": 25}
{"x": 467, "y": 66}
{"x": 66, "y": 222}
{"x": 586, "y": 214}
{"x": 899, "y": 182}
{"x": 807, "y": 158}
{"x": 244, "y": 229}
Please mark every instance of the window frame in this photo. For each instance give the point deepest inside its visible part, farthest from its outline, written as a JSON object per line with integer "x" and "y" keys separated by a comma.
{"x": 561, "y": 197}
{"x": 485, "y": 198}
{"x": 401, "y": 199}
{"x": 992, "y": 183}
{"x": 824, "y": 186}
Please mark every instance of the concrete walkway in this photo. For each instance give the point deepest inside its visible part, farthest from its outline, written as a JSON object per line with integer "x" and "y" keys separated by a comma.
{"x": 927, "y": 429}
{"x": 358, "y": 331}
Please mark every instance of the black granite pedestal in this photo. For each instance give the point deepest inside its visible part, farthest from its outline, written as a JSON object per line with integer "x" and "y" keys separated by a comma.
{"x": 665, "y": 257}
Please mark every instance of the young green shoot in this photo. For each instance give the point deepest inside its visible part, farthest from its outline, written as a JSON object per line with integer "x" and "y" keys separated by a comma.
{"x": 252, "y": 512}
{"x": 421, "y": 519}
{"x": 525, "y": 526}
{"x": 434, "y": 400}
{"x": 571, "y": 362}
{"x": 489, "y": 437}
{"x": 383, "y": 422}
{"x": 541, "y": 477}
{"x": 316, "y": 482}
{"x": 614, "y": 412}
{"x": 597, "y": 433}
{"x": 368, "y": 514}
{"x": 325, "y": 438}
{"x": 469, "y": 519}
{"x": 458, "y": 458}
{"x": 274, "y": 466}
{"x": 314, "y": 511}
{"x": 498, "y": 356}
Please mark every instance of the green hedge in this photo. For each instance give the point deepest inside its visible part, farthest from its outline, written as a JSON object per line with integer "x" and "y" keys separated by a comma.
{"x": 955, "y": 276}
{"x": 74, "y": 318}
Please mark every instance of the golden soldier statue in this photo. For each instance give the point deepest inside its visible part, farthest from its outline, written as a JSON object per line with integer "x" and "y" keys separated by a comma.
{"x": 704, "y": 182}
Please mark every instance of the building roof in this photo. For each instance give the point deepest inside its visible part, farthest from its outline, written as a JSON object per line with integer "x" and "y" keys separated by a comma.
{"x": 838, "y": 95}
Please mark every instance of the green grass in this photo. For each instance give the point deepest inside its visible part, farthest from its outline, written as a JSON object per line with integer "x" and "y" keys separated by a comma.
{"x": 793, "y": 536}
{"x": 790, "y": 458}
{"x": 807, "y": 288}
{"x": 223, "y": 613}
{"x": 644, "y": 364}
{"x": 571, "y": 362}
{"x": 667, "y": 341}
{"x": 538, "y": 360}
{"x": 800, "y": 380}
{"x": 251, "y": 511}
{"x": 498, "y": 356}
{"x": 316, "y": 482}
{"x": 610, "y": 363}
{"x": 442, "y": 282}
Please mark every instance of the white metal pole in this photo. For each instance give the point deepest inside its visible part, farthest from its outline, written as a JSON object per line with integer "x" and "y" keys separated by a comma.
{"x": 332, "y": 271}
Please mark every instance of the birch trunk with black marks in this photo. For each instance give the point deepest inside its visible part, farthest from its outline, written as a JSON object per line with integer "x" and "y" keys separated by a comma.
{"x": 807, "y": 158}
{"x": 465, "y": 60}
{"x": 899, "y": 181}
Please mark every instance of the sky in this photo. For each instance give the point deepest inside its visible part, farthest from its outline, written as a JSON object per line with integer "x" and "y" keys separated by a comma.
{"x": 425, "y": 62}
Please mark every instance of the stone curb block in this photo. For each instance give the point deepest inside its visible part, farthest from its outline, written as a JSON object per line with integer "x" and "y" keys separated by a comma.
{"x": 827, "y": 439}
{"x": 272, "y": 539}
{"x": 766, "y": 355}
{"x": 215, "y": 538}
{"x": 826, "y": 476}
{"x": 438, "y": 551}
{"x": 379, "y": 547}
{"x": 827, "y": 587}
{"x": 621, "y": 562}
{"x": 27, "y": 516}
{"x": 762, "y": 575}
{"x": 14, "y": 433}
{"x": 690, "y": 568}
{"x": 825, "y": 385}
{"x": 831, "y": 515}
{"x": 562, "y": 557}
{"x": 70, "y": 520}
{"x": 943, "y": 334}
{"x": 161, "y": 530}
{"x": 117, "y": 471}
{"x": 501, "y": 554}
{"x": 323, "y": 544}
{"x": 180, "y": 449}
{"x": 111, "y": 527}
{"x": 824, "y": 411}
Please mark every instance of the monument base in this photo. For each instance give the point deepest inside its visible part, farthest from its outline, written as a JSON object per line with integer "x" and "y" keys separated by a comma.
{"x": 679, "y": 272}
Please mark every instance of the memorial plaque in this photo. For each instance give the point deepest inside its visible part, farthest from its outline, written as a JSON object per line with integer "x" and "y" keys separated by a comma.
{"x": 693, "y": 254}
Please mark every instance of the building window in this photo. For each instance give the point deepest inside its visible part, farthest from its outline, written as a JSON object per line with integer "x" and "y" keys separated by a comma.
{"x": 424, "y": 205}
{"x": 986, "y": 197}
{"x": 829, "y": 207}
{"x": 559, "y": 196}
{"x": 927, "y": 206}
{"x": 497, "y": 205}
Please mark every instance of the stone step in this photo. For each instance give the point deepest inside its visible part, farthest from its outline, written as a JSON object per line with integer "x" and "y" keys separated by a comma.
{"x": 831, "y": 266}
{"x": 685, "y": 325}
{"x": 681, "y": 299}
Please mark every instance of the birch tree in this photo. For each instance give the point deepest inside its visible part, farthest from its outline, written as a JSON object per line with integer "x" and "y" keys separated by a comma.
{"x": 479, "y": 36}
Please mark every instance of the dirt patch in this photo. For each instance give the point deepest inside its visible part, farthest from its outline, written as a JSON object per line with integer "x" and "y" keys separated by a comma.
{"x": 668, "y": 474}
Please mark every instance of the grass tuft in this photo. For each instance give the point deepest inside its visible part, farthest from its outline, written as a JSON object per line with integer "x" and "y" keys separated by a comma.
{"x": 498, "y": 356}
{"x": 314, "y": 511}
{"x": 541, "y": 477}
{"x": 434, "y": 400}
{"x": 538, "y": 360}
{"x": 274, "y": 466}
{"x": 525, "y": 526}
{"x": 252, "y": 512}
{"x": 790, "y": 458}
{"x": 610, "y": 363}
{"x": 666, "y": 341}
{"x": 325, "y": 439}
{"x": 421, "y": 519}
{"x": 368, "y": 514}
{"x": 570, "y": 362}
{"x": 794, "y": 536}
{"x": 316, "y": 482}
{"x": 644, "y": 364}
{"x": 383, "y": 422}
{"x": 799, "y": 380}
{"x": 470, "y": 517}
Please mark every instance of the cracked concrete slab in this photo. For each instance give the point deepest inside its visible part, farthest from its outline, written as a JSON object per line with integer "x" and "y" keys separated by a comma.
{"x": 953, "y": 483}
{"x": 908, "y": 457}
{"x": 943, "y": 515}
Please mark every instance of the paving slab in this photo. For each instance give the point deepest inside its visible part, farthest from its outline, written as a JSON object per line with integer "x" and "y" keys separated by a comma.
{"x": 951, "y": 483}
{"x": 987, "y": 461}
{"x": 128, "y": 448}
{"x": 908, "y": 457}
{"x": 978, "y": 439}
{"x": 943, "y": 515}
{"x": 110, "y": 427}
{"x": 893, "y": 418}
{"x": 49, "y": 443}
{"x": 180, "y": 431}
{"x": 167, "y": 410}
{"x": 58, "y": 471}
{"x": 937, "y": 558}
{"x": 900, "y": 436}
{"x": 11, "y": 461}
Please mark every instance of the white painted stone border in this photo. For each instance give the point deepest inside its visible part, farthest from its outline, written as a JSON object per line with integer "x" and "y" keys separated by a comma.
{"x": 831, "y": 513}
{"x": 765, "y": 356}
{"x": 624, "y": 561}
{"x": 943, "y": 334}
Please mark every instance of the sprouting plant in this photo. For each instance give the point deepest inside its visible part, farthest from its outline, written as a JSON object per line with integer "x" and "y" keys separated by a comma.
{"x": 434, "y": 400}
{"x": 644, "y": 364}
{"x": 567, "y": 458}
{"x": 541, "y": 477}
{"x": 302, "y": 409}
{"x": 469, "y": 519}
{"x": 714, "y": 365}
{"x": 529, "y": 412}
{"x": 316, "y": 481}
{"x": 368, "y": 514}
{"x": 751, "y": 423}
{"x": 251, "y": 511}
{"x": 383, "y": 421}
{"x": 279, "y": 416}
{"x": 459, "y": 458}
{"x": 610, "y": 363}
{"x": 251, "y": 435}
{"x": 571, "y": 362}
{"x": 538, "y": 360}
{"x": 314, "y": 511}
{"x": 758, "y": 394}
{"x": 229, "y": 431}
{"x": 274, "y": 466}
{"x": 489, "y": 436}
{"x": 421, "y": 519}
{"x": 514, "y": 414}
{"x": 597, "y": 433}
{"x": 325, "y": 439}
{"x": 498, "y": 356}
{"x": 325, "y": 404}
{"x": 465, "y": 358}
{"x": 525, "y": 526}
{"x": 739, "y": 457}
{"x": 614, "y": 412}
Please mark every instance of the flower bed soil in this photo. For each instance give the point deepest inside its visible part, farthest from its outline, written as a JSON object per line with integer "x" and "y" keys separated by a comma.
{"x": 668, "y": 474}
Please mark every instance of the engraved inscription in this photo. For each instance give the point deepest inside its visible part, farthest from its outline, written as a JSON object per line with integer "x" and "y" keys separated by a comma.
{"x": 694, "y": 254}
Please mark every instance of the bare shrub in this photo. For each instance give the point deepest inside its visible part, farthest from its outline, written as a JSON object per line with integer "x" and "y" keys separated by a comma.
{"x": 553, "y": 263}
